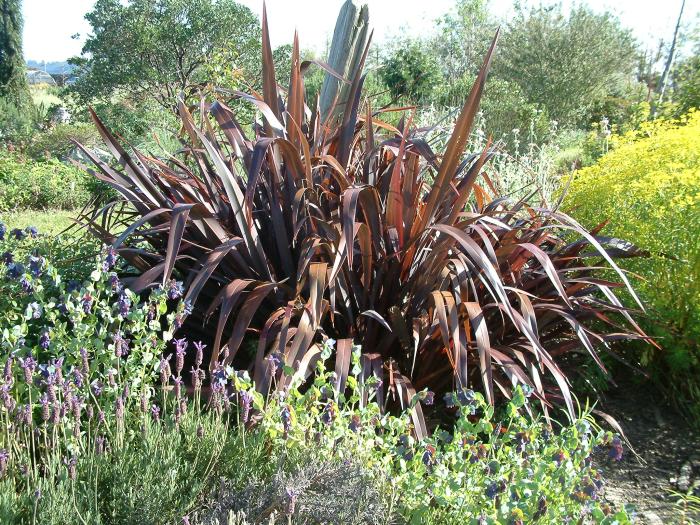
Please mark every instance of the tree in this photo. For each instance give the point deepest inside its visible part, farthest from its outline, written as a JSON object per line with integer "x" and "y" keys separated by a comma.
{"x": 565, "y": 64}
{"x": 410, "y": 71}
{"x": 462, "y": 38}
{"x": 13, "y": 80}
{"x": 161, "y": 48}
{"x": 687, "y": 80}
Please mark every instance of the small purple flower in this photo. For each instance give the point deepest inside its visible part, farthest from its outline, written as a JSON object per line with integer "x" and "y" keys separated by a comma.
{"x": 155, "y": 412}
{"x": 329, "y": 413}
{"x": 151, "y": 315}
{"x": 124, "y": 304}
{"x": 175, "y": 289}
{"x": 18, "y": 234}
{"x": 36, "y": 310}
{"x": 7, "y": 370}
{"x": 3, "y": 231}
{"x": 558, "y": 457}
{"x": 429, "y": 456}
{"x": 96, "y": 388}
{"x": 450, "y": 400}
{"x": 177, "y": 382}
{"x": 26, "y": 284}
{"x": 8, "y": 258}
{"x": 466, "y": 396}
{"x": 115, "y": 283}
{"x": 72, "y": 286}
{"x": 36, "y": 265}
{"x": 86, "y": 301}
{"x": 45, "y": 339}
{"x": 14, "y": 270}
{"x": 429, "y": 398}
{"x": 355, "y": 423}
{"x": 615, "y": 452}
{"x": 77, "y": 378}
{"x": 492, "y": 490}
{"x": 286, "y": 416}
{"x": 33, "y": 231}
{"x": 110, "y": 259}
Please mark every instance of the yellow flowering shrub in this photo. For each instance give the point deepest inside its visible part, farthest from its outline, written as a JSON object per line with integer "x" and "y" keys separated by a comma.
{"x": 648, "y": 187}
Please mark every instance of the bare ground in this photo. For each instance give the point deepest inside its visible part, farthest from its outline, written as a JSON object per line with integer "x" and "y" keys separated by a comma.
{"x": 668, "y": 455}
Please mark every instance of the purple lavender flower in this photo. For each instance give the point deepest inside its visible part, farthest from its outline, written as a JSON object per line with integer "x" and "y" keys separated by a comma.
{"x": 4, "y": 460}
{"x": 175, "y": 289}
{"x": 99, "y": 445}
{"x": 119, "y": 409}
{"x": 18, "y": 234}
{"x": 164, "y": 369}
{"x": 121, "y": 345}
{"x": 45, "y": 339}
{"x": 199, "y": 356}
{"x": 246, "y": 402}
{"x": 36, "y": 265}
{"x": 86, "y": 301}
{"x": 84, "y": 361}
{"x": 77, "y": 376}
{"x": 45, "y": 409}
{"x": 155, "y": 412}
{"x": 71, "y": 465}
{"x": 33, "y": 231}
{"x": 177, "y": 382}
{"x": 180, "y": 349}
{"x": 7, "y": 370}
{"x": 28, "y": 365}
{"x": 429, "y": 398}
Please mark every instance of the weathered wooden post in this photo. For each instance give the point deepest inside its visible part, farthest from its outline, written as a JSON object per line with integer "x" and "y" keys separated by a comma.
{"x": 349, "y": 40}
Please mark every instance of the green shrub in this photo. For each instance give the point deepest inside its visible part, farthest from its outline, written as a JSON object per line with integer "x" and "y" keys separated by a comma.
{"x": 56, "y": 141}
{"x": 28, "y": 184}
{"x": 648, "y": 187}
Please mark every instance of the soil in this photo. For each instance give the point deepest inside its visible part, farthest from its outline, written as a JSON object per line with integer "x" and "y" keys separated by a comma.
{"x": 668, "y": 455}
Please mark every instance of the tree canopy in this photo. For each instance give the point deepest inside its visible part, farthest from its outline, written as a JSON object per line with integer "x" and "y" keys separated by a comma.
{"x": 565, "y": 63}
{"x": 162, "y": 48}
{"x": 13, "y": 81}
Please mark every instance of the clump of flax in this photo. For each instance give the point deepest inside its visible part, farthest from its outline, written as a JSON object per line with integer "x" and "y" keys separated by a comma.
{"x": 325, "y": 492}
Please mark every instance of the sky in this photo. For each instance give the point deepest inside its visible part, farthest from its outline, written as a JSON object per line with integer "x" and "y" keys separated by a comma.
{"x": 50, "y": 24}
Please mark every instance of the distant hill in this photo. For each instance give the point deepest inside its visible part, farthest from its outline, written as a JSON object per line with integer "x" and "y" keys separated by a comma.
{"x": 52, "y": 68}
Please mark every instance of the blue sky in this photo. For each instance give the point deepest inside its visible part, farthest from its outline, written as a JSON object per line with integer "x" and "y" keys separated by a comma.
{"x": 49, "y": 24}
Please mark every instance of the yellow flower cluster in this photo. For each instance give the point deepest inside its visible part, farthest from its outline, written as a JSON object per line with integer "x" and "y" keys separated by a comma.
{"x": 648, "y": 187}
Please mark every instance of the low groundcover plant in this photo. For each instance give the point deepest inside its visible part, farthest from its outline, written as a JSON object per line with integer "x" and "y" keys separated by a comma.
{"x": 99, "y": 427}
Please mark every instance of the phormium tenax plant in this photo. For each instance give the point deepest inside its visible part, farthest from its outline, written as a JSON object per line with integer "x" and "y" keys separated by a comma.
{"x": 344, "y": 226}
